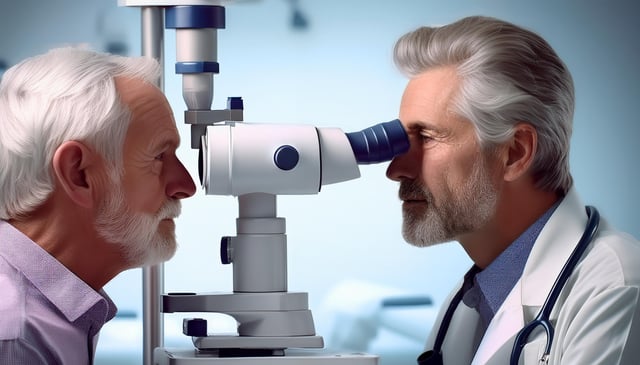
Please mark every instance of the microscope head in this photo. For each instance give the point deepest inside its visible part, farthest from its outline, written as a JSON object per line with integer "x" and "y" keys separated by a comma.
{"x": 239, "y": 158}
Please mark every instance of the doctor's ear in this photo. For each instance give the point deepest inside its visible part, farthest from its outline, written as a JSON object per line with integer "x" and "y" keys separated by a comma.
{"x": 71, "y": 163}
{"x": 521, "y": 150}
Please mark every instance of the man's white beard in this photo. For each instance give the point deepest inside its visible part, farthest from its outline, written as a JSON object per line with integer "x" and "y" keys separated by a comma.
{"x": 137, "y": 234}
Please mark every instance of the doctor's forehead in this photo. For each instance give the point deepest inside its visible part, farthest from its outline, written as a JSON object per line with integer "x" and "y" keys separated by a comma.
{"x": 429, "y": 96}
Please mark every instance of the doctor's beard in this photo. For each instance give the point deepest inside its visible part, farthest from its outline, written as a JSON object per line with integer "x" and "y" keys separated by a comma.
{"x": 142, "y": 239}
{"x": 461, "y": 209}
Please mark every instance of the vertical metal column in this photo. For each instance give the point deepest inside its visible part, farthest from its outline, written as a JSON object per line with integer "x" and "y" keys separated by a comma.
{"x": 153, "y": 276}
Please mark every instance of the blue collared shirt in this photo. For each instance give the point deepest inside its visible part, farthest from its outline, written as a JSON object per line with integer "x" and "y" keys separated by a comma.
{"x": 492, "y": 285}
{"x": 47, "y": 314}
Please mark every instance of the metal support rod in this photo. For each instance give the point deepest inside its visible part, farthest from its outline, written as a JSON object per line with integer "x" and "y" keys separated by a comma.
{"x": 152, "y": 276}
{"x": 152, "y": 20}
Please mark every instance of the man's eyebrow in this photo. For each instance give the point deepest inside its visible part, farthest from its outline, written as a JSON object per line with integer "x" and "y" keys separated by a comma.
{"x": 419, "y": 125}
{"x": 166, "y": 142}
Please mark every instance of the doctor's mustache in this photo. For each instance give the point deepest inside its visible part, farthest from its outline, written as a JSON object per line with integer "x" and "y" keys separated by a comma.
{"x": 412, "y": 190}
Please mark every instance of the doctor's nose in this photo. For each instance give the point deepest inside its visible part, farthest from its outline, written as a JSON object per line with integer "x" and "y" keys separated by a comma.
{"x": 403, "y": 167}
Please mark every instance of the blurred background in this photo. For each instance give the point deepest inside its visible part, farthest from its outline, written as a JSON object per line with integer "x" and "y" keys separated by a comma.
{"x": 329, "y": 63}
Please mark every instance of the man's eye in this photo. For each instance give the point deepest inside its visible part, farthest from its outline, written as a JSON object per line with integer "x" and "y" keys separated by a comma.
{"x": 425, "y": 138}
{"x": 160, "y": 157}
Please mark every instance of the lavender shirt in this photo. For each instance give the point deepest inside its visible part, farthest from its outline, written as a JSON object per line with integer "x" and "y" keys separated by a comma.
{"x": 47, "y": 314}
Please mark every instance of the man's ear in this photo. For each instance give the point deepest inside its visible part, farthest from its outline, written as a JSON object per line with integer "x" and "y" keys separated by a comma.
{"x": 70, "y": 163}
{"x": 521, "y": 151}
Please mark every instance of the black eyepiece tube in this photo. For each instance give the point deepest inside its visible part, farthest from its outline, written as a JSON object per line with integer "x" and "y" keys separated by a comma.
{"x": 379, "y": 143}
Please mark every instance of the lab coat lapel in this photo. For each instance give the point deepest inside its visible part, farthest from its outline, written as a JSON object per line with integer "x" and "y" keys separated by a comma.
{"x": 463, "y": 335}
{"x": 502, "y": 329}
{"x": 550, "y": 251}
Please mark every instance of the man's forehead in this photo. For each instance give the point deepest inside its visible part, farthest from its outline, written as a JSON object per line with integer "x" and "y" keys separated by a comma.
{"x": 136, "y": 90}
{"x": 151, "y": 115}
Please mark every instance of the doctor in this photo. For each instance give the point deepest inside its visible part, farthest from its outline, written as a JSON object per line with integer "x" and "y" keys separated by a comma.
{"x": 488, "y": 109}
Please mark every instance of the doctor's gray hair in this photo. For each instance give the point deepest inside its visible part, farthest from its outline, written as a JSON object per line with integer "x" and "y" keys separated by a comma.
{"x": 509, "y": 75}
{"x": 65, "y": 94}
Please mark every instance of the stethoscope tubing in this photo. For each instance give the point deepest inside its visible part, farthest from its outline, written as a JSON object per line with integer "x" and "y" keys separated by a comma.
{"x": 542, "y": 319}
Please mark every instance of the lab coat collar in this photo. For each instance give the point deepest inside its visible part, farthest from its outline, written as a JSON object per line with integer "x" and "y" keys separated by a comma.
{"x": 550, "y": 251}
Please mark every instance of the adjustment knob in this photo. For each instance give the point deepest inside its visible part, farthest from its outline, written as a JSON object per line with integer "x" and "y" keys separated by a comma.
{"x": 194, "y": 327}
{"x": 226, "y": 250}
{"x": 286, "y": 157}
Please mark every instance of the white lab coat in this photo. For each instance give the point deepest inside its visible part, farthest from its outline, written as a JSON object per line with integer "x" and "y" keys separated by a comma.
{"x": 596, "y": 317}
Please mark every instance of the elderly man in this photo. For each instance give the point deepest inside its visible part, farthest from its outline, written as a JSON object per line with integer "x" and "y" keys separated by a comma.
{"x": 89, "y": 186}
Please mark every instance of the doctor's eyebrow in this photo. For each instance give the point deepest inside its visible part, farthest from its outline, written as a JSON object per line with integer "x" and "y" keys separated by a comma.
{"x": 419, "y": 126}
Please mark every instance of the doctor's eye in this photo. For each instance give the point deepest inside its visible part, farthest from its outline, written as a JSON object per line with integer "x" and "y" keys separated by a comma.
{"x": 425, "y": 137}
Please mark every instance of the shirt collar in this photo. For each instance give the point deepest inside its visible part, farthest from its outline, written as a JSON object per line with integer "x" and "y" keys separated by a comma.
{"x": 495, "y": 282}
{"x": 72, "y": 296}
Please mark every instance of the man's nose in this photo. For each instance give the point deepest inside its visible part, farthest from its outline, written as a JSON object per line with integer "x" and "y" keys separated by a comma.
{"x": 180, "y": 184}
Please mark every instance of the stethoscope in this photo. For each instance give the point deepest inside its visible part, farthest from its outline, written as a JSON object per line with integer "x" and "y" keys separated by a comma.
{"x": 434, "y": 357}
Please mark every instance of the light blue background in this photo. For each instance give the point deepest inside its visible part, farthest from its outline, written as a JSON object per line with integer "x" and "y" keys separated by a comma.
{"x": 339, "y": 73}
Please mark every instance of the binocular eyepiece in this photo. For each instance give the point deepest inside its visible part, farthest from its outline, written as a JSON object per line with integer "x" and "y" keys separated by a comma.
{"x": 379, "y": 143}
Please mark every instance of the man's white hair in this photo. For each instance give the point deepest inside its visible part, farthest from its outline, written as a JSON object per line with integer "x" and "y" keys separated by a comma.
{"x": 65, "y": 94}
